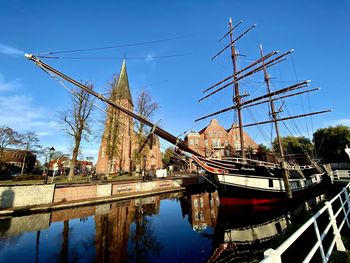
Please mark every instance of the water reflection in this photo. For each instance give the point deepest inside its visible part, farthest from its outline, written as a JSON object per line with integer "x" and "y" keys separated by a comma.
{"x": 179, "y": 227}
{"x": 245, "y": 235}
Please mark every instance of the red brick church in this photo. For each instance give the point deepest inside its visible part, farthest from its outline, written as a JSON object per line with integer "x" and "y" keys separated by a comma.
{"x": 119, "y": 144}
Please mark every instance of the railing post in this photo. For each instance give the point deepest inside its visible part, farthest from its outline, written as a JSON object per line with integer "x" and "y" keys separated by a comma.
{"x": 318, "y": 236}
{"x": 347, "y": 205}
{"x": 338, "y": 241}
{"x": 272, "y": 256}
{"x": 344, "y": 205}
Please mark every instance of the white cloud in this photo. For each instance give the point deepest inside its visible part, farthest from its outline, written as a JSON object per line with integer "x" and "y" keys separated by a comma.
{"x": 20, "y": 113}
{"x": 43, "y": 134}
{"x": 149, "y": 58}
{"x": 345, "y": 122}
{"x": 8, "y": 85}
{"x": 12, "y": 51}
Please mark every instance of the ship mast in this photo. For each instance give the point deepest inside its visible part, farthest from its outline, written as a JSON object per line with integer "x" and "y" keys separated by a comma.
{"x": 237, "y": 97}
{"x": 274, "y": 115}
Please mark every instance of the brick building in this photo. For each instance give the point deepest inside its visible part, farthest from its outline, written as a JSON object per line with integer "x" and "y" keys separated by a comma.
{"x": 119, "y": 143}
{"x": 13, "y": 159}
{"x": 215, "y": 141}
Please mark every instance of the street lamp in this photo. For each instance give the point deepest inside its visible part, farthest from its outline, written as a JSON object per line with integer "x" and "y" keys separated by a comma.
{"x": 51, "y": 151}
{"x": 144, "y": 166}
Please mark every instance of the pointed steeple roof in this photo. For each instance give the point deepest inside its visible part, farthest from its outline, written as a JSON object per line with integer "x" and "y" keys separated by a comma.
{"x": 121, "y": 87}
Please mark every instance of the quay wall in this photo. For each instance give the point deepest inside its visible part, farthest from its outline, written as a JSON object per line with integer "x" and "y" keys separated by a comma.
{"x": 17, "y": 196}
{"x": 14, "y": 196}
{"x": 73, "y": 193}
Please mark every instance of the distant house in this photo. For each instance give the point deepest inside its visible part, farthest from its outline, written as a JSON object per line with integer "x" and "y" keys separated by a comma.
{"x": 217, "y": 142}
{"x": 13, "y": 160}
{"x": 62, "y": 165}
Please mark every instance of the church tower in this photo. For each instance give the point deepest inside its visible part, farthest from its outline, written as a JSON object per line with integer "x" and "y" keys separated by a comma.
{"x": 115, "y": 151}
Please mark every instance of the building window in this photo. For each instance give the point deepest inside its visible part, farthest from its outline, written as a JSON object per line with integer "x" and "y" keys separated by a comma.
{"x": 196, "y": 142}
{"x": 215, "y": 143}
{"x": 210, "y": 134}
{"x": 191, "y": 142}
{"x": 220, "y": 134}
{"x": 215, "y": 134}
{"x": 206, "y": 142}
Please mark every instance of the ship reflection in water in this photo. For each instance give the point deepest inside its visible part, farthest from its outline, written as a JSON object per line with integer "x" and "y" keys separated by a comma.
{"x": 178, "y": 227}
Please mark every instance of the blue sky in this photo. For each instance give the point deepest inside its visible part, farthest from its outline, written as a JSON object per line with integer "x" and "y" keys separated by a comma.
{"x": 30, "y": 100}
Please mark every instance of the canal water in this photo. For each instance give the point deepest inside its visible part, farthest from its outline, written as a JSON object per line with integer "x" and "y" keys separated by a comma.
{"x": 176, "y": 227}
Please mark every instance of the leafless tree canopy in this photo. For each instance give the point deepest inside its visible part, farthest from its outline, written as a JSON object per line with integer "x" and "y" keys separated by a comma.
{"x": 77, "y": 123}
{"x": 30, "y": 142}
{"x": 114, "y": 128}
{"x": 145, "y": 108}
{"x": 8, "y": 137}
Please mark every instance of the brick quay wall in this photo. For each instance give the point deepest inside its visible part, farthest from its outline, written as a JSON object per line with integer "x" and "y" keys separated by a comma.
{"x": 38, "y": 195}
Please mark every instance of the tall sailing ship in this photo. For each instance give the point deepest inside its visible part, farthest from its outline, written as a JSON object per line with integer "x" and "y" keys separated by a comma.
{"x": 245, "y": 180}
{"x": 241, "y": 180}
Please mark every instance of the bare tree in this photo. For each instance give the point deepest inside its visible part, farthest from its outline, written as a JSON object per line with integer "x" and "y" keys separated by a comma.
{"x": 30, "y": 141}
{"x": 113, "y": 129}
{"x": 145, "y": 108}
{"x": 77, "y": 124}
{"x": 7, "y": 137}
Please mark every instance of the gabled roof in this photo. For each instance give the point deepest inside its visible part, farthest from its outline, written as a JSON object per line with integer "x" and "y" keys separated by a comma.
{"x": 233, "y": 127}
{"x": 121, "y": 89}
{"x": 212, "y": 122}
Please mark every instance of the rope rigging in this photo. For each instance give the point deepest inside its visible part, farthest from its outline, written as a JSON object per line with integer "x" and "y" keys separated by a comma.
{"x": 118, "y": 58}
{"x": 115, "y": 46}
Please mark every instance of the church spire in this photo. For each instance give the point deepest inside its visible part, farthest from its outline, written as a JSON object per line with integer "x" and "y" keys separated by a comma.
{"x": 121, "y": 87}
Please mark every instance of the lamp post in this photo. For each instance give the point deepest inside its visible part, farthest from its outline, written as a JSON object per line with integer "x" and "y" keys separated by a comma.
{"x": 144, "y": 167}
{"x": 91, "y": 172}
{"x": 51, "y": 151}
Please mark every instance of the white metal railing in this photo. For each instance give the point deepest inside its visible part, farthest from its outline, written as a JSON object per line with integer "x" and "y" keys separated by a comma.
{"x": 342, "y": 174}
{"x": 269, "y": 164}
{"x": 275, "y": 255}
{"x": 244, "y": 161}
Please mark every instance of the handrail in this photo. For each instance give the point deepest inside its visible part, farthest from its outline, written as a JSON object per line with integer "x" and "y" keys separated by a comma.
{"x": 274, "y": 165}
{"x": 275, "y": 255}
